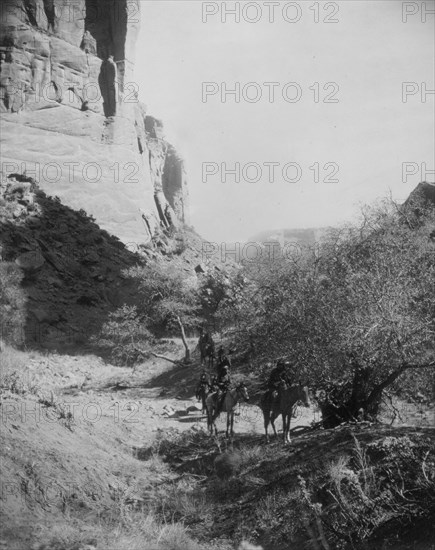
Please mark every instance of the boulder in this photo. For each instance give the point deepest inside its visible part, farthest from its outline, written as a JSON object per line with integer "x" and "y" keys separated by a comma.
{"x": 30, "y": 261}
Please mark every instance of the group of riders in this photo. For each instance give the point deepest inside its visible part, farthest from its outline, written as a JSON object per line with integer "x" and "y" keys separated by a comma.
{"x": 220, "y": 383}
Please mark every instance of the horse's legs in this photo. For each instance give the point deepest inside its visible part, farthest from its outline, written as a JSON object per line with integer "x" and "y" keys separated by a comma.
{"x": 266, "y": 416}
{"x": 286, "y": 426}
{"x": 230, "y": 421}
{"x": 273, "y": 417}
{"x": 214, "y": 424}
{"x": 209, "y": 422}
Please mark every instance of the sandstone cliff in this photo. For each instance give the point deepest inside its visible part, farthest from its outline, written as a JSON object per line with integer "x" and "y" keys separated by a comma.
{"x": 71, "y": 119}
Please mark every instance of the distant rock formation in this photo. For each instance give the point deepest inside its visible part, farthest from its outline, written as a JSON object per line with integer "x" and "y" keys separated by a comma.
{"x": 72, "y": 121}
{"x": 424, "y": 194}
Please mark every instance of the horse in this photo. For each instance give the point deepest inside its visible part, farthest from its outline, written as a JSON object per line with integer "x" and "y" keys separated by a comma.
{"x": 232, "y": 397}
{"x": 283, "y": 404}
{"x": 202, "y": 393}
{"x": 207, "y": 350}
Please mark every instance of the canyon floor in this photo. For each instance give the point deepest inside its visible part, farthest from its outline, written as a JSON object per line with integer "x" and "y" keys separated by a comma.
{"x": 82, "y": 447}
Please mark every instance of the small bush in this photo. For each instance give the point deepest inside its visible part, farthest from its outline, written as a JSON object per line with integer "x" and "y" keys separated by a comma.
{"x": 12, "y": 304}
{"x": 13, "y": 374}
{"x": 125, "y": 337}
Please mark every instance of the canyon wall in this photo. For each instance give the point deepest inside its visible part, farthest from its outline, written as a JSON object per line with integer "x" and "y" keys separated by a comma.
{"x": 71, "y": 120}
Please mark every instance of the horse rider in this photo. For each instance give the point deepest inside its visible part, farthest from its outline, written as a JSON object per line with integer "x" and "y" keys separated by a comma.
{"x": 223, "y": 361}
{"x": 214, "y": 384}
{"x": 203, "y": 383}
{"x": 204, "y": 337}
{"x": 223, "y": 384}
{"x": 280, "y": 374}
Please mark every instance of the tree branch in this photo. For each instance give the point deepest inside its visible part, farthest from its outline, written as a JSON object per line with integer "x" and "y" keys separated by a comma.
{"x": 377, "y": 390}
{"x": 165, "y": 358}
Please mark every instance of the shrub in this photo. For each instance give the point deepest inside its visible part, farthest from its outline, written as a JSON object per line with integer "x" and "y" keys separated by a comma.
{"x": 125, "y": 336}
{"x": 13, "y": 374}
{"x": 12, "y": 304}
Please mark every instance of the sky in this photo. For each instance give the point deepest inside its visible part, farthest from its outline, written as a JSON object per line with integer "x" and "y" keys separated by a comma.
{"x": 346, "y": 115}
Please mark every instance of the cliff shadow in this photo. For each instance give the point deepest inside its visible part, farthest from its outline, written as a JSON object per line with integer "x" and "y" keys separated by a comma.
{"x": 61, "y": 273}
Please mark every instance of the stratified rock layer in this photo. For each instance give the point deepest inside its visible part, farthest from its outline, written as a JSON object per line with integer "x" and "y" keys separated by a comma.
{"x": 71, "y": 118}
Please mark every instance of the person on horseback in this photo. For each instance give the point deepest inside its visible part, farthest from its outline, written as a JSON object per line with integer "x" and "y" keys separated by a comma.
{"x": 201, "y": 336}
{"x": 280, "y": 374}
{"x": 204, "y": 338}
{"x": 223, "y": 361}
{"x": 223, "y": 384}
{"x": 203, "y": 384}
{"x": 214, "y": 384}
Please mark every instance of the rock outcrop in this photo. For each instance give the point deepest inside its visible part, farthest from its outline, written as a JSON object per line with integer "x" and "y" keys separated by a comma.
{"x": 423, "y": 195}
{"x": 71, "y": 117}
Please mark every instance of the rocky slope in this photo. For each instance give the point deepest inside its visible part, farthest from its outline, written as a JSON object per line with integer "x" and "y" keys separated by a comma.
{"x": 72, "y": 121}
{"x": 61, "y": 274}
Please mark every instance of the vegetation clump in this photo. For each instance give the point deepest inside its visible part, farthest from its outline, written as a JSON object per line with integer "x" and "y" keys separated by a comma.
{"x": 354, "y": 315}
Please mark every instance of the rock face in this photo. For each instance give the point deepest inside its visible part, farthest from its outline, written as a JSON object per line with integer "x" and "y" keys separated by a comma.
{"x": 72, "y": 121}
{"x": 422, "y": 195}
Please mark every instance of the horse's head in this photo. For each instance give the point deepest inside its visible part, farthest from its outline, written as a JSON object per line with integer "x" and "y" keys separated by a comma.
{"x": 242, "y": 391}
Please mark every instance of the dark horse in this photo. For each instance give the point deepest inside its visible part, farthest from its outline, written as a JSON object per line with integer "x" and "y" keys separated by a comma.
{"x": 283, "y": 403}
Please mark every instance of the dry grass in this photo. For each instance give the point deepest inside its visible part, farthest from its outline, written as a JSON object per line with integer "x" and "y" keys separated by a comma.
{"x": 142, "y": 532}
{"x": 14, "y": 374}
